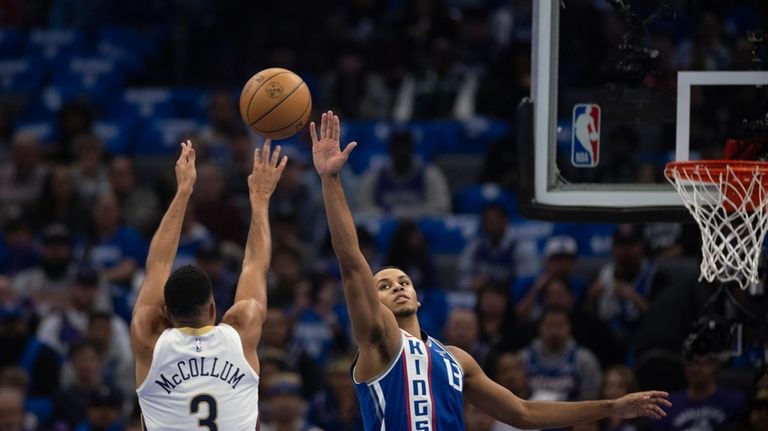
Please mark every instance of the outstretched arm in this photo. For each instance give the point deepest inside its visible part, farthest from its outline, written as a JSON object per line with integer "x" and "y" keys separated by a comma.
{"x": 503, "y": 405}
{"x": 250, "y": 308}
{"x": 372, "y": 324}
{"x": 148, "y": 317}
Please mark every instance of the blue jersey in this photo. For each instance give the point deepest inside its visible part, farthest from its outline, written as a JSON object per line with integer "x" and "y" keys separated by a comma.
{"x": 421, "y": 390}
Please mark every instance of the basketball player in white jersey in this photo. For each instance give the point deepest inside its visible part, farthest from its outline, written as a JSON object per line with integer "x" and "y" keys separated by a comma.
{"x": 191, "y": 374}
{"x": 406, "y": 380}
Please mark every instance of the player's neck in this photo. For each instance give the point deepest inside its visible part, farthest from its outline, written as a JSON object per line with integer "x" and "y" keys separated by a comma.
{"x": 410, "y": 325}
{"x": 192, "y": 323}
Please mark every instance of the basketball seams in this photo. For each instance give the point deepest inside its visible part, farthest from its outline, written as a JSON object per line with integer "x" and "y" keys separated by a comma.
{"x": 306, "y": 108}
{"x": 276, "y": 104}
{"x": 253, "y": 94}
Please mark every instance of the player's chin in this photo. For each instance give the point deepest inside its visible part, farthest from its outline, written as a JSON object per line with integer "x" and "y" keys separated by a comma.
{"x": 404, "y": 310}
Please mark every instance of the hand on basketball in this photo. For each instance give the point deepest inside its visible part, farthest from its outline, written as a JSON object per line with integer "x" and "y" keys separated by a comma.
{"x": 326, "y": 151}
{"x": 185, "y": 168}
{"x": 641, "y": 404}
{"x": 267, "y": 169}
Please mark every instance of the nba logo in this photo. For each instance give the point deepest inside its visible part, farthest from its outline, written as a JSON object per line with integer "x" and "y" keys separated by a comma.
{"x": 585, "y": 135}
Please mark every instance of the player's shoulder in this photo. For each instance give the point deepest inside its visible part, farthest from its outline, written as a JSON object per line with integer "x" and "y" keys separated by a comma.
{"x": 147, "y": 323}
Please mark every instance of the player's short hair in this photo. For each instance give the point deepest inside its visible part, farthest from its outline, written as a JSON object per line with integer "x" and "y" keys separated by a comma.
{"x": 389, "y": 267}
{"x": 187, "y": 290}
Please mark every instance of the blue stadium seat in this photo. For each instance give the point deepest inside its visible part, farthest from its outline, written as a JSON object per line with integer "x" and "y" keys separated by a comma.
{"x": 123, "y": 45}
{"x": 191, "y": 103}
{"x": 96, "y": 75}
{"x": 436, "y": 137}
{"x": 448, "y": 235}
{"x": 53, "y": 45}
{"x": 473, "y": 199}
{"x": 480, "y": 133}
{"x": 12, "y": 43}
{"x": 593, "y": 239}
{"x": 117, "y": 135}
{"x": 162, "y": 136}
{"x": 21, "y": 76}
{"x": 48, "y": 101}
{"x": 372, "y": 139}
{"x": 143, "y": 103}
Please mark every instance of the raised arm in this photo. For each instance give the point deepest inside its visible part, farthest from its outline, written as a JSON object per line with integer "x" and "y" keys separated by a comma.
{"x": 249, "y": 311}
{"x": 373, "y": 326}
{"x": 504, "y": 406}
{"x": 148, "y": 317}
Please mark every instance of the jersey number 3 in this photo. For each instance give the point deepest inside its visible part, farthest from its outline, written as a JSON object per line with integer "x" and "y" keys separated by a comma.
{"x": 210, "y": 421}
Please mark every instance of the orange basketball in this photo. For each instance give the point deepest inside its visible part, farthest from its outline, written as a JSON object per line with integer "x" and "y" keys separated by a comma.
{"x": 275, "y": 103}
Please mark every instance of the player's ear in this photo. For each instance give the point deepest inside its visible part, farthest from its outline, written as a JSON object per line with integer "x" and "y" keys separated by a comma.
{"x": 418, "y": 303}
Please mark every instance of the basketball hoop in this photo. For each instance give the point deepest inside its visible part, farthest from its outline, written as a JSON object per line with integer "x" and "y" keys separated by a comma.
{"x": 729, "y": 201}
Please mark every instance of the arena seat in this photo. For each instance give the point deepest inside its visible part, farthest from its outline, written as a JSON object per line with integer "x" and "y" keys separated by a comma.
{"x": 53, "y": 45}
{"x": 474, "y": 198}
{"x": 162, "y": 136}
{"x": 117, "y": 135}
{"x": 144, "y": 103}
{"x": 12, "y": 43}
{"x": 21, "y": 76}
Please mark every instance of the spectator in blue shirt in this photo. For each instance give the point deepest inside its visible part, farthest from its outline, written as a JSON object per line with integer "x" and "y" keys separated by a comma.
{"x": 491, "y": 256}
{"x": 111, "y": 247}
{"x": 405, "y": 186}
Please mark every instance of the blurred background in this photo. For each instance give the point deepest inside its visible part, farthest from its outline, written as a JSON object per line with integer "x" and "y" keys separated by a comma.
{"x": 95, "y": 96}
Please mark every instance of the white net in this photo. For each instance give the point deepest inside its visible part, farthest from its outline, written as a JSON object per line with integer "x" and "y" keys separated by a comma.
{"x": 728, "y": 201}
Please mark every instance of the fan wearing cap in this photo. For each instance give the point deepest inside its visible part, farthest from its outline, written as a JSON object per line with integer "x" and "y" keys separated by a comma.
{"x": 560, "y": 254}
{"x": 190, "y": 372}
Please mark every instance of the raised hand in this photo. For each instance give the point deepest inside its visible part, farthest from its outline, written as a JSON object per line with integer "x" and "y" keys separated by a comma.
{"x": 267, "y": 170}
{"x": 641, "y": 404}
{"x": 326, "y": 151}
{"x": 186, "y": 174}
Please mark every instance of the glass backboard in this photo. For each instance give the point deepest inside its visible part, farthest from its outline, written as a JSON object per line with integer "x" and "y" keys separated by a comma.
{"x": 621, "y": 87}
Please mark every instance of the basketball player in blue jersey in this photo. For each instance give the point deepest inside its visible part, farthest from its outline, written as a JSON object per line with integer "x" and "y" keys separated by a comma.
{"x": 406, "y": 380}
{"x": 191, "y": 374}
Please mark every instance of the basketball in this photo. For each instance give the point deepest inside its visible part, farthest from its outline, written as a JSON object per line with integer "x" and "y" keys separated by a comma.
{"x": 275, "y": 103}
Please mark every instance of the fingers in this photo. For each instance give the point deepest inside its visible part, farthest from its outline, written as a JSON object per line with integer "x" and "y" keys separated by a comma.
{"x": 324, "y": 126}
{"x": 281, "y": 166}
{"x": 191, "y": 152}
{"x": 256, "y": 157}
{"x": 656, "y": 412}
{"x": 658, "y": 394}
{"x": 275, "y": 156}
{"x": 265, "y": 150}
{"x": 312, "y": 132}
{"x": 351, "y": 146}
{"x": 335, "y": 127}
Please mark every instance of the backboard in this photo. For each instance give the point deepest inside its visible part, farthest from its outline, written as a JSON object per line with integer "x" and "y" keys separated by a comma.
{"x": 621, "y": 87}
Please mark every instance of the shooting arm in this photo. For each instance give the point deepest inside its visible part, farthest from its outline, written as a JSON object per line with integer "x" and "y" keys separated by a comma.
{"x": 162, "y": 252}
{"x": 359, "y": 286}
{"x": 248, "y": 313}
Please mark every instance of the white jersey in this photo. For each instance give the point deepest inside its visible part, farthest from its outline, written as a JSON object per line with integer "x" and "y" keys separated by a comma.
{"x": 200, "y": 379}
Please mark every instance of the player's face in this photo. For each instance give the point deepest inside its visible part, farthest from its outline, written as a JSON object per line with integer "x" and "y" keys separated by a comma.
{"x": 396, "y": 292}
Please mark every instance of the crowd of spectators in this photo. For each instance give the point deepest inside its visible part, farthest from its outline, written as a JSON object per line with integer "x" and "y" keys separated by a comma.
{"x": 76, "y": 220}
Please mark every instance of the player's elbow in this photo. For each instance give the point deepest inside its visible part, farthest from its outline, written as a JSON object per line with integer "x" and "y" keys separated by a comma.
{"x": 521, "y": 416}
